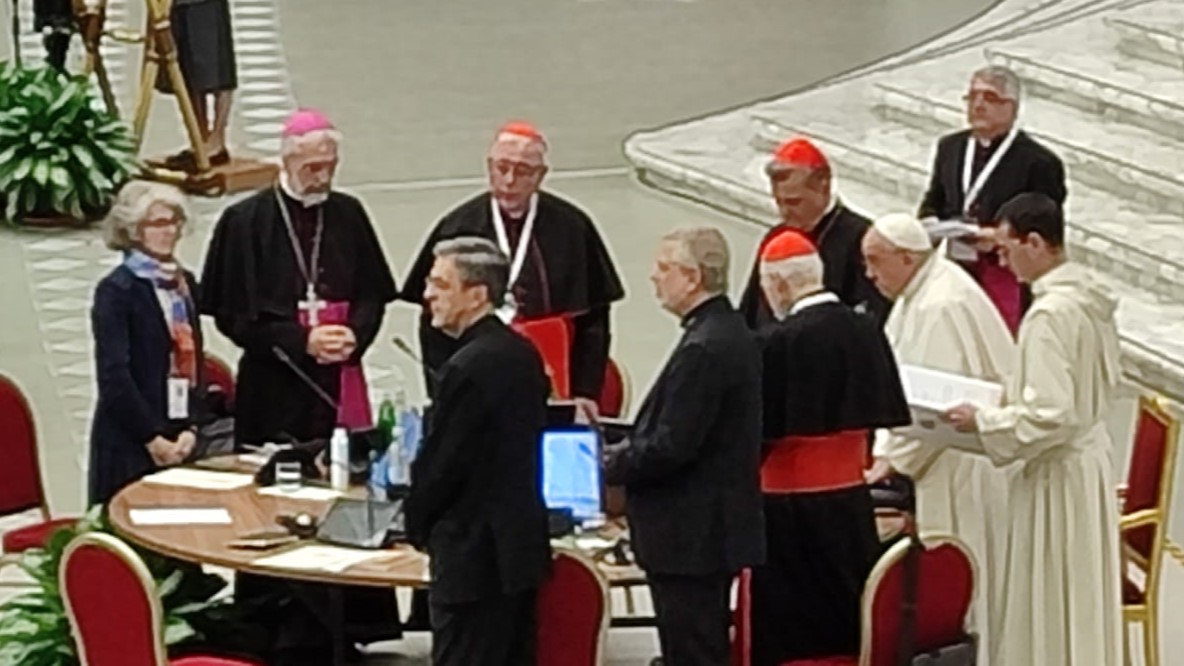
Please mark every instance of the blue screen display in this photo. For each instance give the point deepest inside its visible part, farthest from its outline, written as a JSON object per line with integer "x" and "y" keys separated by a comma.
{"x": 571, "y": 472}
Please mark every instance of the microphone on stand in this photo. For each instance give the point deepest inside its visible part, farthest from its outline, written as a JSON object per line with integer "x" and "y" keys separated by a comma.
{"x": 287, "y": 360}
{"x": 402, "y": 346}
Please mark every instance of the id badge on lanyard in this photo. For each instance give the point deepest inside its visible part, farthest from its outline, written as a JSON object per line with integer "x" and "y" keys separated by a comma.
{"x": 178, "y": 396}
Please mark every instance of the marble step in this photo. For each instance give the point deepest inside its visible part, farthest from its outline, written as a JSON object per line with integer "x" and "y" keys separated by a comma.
{"x": 1150, "y": 40}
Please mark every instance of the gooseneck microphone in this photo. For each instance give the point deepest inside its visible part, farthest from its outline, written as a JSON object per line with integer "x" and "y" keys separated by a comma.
{"x": 287, "y": 360}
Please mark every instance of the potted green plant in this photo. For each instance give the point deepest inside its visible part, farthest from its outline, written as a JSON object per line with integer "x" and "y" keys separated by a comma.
{"x": 62, "y": 156}
{"x": 34, "y": 630}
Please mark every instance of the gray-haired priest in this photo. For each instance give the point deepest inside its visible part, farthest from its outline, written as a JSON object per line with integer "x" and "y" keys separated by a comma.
{"x": 691, "y": 466}
{"x": 476, "y": 504}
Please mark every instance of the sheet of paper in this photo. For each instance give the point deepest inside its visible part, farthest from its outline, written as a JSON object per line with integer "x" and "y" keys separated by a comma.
{"x": 180, "y": 516}
{"x": 199, "y": 478}
{"x": 311, "y": 493}
{"x": 939, "y": 391}
{"x": 950, "y": 228}
{"x": 317, "y": 557}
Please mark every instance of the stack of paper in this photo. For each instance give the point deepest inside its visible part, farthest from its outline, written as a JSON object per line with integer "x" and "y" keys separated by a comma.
{"x": 931, "y": 393}
{"x": 319, "y": 558}
{"x": 199, "y": 478}
{"x": 180, "y": 516}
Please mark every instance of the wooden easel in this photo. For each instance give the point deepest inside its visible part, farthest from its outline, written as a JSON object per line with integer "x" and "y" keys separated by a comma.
{"x": 160, "y": 50}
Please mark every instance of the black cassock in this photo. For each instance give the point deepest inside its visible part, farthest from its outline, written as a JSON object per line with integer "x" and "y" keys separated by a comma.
{"x": 252, "y": 285}
{"x": 476, "y": 501}
{"x": 838, "y": 237}
{"x": 827, "y": 370}
{"x": 568, "y": 272}
{"x": 1027, "y": 166}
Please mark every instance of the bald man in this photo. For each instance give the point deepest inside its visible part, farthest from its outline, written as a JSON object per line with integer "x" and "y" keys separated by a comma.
{"x": 559, "y": 266}
{"x": 943, "y": 320}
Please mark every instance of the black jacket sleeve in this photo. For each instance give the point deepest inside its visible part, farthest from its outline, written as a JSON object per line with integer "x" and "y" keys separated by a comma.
{"x": 116, "y": 388}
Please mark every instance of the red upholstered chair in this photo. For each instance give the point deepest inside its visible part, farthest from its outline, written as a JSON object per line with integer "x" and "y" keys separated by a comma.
{"x": 617, "y": 391}
{"x": 113, "y": 607}
{"x": 945, "y": 589}
{"x": 218, "y": 374}
{"x": 1147, "y": 498}
{"x": 573, "y": 613}
{"x": 20, "y": 476}
{"x": 552, "y": 337}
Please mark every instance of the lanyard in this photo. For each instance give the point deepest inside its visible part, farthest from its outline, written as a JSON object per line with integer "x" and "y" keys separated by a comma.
{"x": 972, "y": 191}
{"x": 518, "y": 258}
{"x": 309, "y": 275}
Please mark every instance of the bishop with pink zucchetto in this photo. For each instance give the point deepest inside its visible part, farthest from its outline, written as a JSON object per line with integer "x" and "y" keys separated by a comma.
{"x": 295, "y": 276}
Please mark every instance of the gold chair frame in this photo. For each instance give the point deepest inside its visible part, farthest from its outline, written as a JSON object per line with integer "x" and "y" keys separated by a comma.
{"x": 1147, "y": 613}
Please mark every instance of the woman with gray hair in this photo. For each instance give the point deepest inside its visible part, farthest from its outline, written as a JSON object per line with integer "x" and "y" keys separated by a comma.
{"x": 148, "y": 344}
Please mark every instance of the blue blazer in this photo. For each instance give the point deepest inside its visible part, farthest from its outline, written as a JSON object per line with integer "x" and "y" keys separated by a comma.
{"x": 132, "y": 362}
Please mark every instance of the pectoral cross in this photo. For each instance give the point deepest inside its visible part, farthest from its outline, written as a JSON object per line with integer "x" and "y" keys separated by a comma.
{"x": 312, "y": 305}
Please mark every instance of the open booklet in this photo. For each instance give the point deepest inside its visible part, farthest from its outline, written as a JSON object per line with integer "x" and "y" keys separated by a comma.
{"x": 959, "y": 236}
{"x": 930, "y": 393}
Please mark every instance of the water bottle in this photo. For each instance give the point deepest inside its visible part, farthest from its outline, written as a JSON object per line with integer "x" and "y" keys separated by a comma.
{"x": 339, "y": 459}
{"x": 398, "y": 467}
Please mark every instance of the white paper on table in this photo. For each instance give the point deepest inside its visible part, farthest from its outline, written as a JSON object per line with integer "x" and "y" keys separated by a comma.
{"x": 319, "y": 558}
{"x": 256, "y": 459}
{"x": 199, "y": 478}
{"x": 930, "y": 393}
{"x": 180, "y": 516}
{"x": 312, "y": 493}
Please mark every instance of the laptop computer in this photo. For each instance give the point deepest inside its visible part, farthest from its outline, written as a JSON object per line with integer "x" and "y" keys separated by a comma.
{"x": 572, "y": 479}
{"x": 363, "y": 523}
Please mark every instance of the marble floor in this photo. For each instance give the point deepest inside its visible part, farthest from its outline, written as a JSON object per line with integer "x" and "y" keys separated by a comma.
{"x": 417, "y": 89}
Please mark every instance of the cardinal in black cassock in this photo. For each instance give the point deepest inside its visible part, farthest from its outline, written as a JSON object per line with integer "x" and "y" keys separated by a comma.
{"x": 800, "y": 177}
{"x": 559, "y": 264}
{"x": 296, "y": 271}
{"x": 829, "y": 378}
{"x": 977, "y": 170}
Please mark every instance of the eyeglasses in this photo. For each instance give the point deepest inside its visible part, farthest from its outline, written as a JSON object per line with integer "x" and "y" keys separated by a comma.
{"x": 161, "y": 222}
{"x": 519, "y": 169}
{"x": 988, "y": 96}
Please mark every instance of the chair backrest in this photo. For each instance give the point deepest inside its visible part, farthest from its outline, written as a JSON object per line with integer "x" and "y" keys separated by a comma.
{"x": 218, "y": 374}
{"x": 552, "y": 337}
{"x": 573, "y": 612}
{"x": 742, "y": 620}
{"x": 111, "y": 602}
{"x": 20, "y": 475}
{"x": 1152, "y": 470}
{"x": 615, "y": 394}
{"x": 945, "y": 589}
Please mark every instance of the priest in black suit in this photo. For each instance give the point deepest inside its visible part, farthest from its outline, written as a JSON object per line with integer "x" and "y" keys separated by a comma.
{"x": 800, "y": 177}
{"x": 296, "y": 272}
{"x": 476, "y": 503}
{"x": 979, "y": 169}
{"x": 690, "y": 467}
{"x": 559, "y": 266}
{"x": 829, "y": 379}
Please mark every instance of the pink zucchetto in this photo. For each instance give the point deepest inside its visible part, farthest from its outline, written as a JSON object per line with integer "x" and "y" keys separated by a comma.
{"x": 304, "y": 121}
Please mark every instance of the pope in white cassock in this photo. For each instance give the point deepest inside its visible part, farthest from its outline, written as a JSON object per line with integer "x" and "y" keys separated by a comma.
{"x": 1063, "y": 605}
{"x": 942, "y": 319}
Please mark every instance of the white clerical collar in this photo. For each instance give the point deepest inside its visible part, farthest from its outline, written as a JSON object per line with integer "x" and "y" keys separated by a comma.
{"x": 306, "y": 200}
{"x": 812, "y": 300}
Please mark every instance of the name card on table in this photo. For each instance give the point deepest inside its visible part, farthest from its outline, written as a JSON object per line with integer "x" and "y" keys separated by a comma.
{"x": 180, "y": 516}
{"x": 201, "y": 479}
{"x": 310, "y": 493}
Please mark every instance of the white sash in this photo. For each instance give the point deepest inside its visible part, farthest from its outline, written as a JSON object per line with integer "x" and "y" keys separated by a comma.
{"x": 518, "y": 258}
{"x": 971, "y": 191}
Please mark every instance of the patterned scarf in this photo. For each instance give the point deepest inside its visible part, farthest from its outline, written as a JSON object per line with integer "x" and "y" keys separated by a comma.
{"x": 167, "y": 277}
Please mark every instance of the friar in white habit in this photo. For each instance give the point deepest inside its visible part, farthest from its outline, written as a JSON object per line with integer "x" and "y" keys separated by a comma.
{"x": 943, "y": 320}
{"x": 1063, "y": 603}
